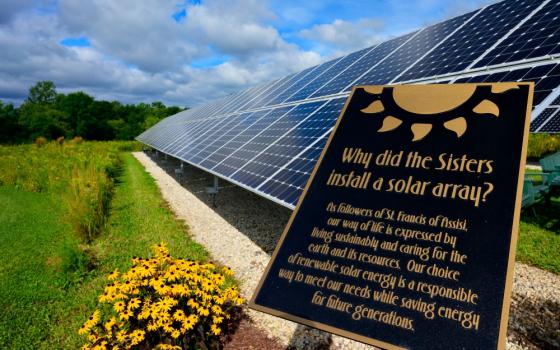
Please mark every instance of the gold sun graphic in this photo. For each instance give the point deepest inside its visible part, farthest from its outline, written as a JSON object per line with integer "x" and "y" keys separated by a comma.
{"x": 425, "y": 100}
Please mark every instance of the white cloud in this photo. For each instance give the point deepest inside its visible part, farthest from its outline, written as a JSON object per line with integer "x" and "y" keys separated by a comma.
{"x": 139, "y": 52}
{"x": 344, "y": 35}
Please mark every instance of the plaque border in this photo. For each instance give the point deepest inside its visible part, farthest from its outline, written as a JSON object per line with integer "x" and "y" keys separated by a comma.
{"x": 512, "y": 249}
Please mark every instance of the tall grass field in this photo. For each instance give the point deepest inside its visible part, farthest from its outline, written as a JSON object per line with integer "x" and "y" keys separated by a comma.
{"x": 51, "y": 274}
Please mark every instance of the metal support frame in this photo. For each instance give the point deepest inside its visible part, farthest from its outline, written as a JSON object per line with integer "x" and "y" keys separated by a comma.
{"x": 179, "y": 171}
{"x": 213, "y": 190}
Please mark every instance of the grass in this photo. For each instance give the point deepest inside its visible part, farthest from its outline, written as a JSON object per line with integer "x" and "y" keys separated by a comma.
{"x": 539, "y": 247}
{"x": 539, "y": 235}
{"x": 32, "y": 242}
{"x": 44, "y": 302}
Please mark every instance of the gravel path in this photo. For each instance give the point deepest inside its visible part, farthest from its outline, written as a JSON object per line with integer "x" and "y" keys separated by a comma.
{"x": 242, "y": 232}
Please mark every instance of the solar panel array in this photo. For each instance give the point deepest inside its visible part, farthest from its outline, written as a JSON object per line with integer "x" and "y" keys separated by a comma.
{"x": 268, "y": 138}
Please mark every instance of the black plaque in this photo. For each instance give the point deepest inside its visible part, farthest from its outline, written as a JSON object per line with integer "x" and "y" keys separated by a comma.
{"x": 405, "y": 235}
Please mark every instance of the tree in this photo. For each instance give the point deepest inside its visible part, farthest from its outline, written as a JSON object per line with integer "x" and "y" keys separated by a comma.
{"x": 43, "y": 92}
{"x": 93, "y": 123}
{"x": 42, "y": 120}
{"x": 10, "y": 130}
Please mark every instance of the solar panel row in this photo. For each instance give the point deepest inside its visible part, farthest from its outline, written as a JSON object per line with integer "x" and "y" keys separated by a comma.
{"x": 268, "y": 138}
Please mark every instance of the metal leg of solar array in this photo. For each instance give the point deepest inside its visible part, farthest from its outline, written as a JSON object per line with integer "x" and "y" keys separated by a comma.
{"x": 179, "y": 171}
{"x": 213, "y": 191}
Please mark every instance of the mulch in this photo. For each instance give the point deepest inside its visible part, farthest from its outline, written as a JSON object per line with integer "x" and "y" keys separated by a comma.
{"x": 242, "y": 334}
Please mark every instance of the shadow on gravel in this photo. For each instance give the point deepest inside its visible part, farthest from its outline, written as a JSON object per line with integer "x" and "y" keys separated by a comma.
{"x": 538, "y": 321}
{"x": 260, "y": 219}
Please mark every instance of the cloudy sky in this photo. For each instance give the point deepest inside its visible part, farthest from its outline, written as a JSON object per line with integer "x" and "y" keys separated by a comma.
{"x": 185, "y": 53}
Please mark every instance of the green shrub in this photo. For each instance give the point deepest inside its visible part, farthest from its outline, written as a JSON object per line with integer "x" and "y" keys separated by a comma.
{"x": 89, "y": 201}
{"x": 542, "y": 144}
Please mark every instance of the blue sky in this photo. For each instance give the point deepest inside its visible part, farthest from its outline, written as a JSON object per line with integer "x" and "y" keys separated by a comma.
{"x": 187, "y": 52}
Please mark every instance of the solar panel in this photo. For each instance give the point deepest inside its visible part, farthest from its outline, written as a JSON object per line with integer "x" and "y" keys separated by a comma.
{"x": 268, "y": 138}
{"x": 472, "y": 40}
{"x": 315, "y": 73}
{"x": 542, "y": 118}
{"x": 538, "y": 36}
{"x": 552, "y": 124}
{"x": 321, "y": 80}
{"x": 343, "y": 81}
{"x": 426, "y": 40}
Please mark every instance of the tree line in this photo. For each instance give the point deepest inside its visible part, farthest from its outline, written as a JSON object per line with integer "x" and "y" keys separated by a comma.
{"x": 50, "y": 114}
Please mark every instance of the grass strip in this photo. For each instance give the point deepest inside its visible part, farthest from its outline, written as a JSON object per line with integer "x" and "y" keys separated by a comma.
{"x": 42, "y": 304}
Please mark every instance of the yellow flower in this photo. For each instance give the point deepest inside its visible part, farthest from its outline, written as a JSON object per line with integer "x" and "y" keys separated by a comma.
{"x": 119, "y": 306}
{"x": 167, "y": 347}
{"x": 125, "y": 315}
{"x": 215, "y": 329}
{"x": 110, "y": 324}
{"x": 175, "y": 334}
{"x": 179, "y": 315}
{"x": 137, "y": 336}
{"x": 114, "y": 275}
{"x": 203, "y": 311}
{"x": 134, "y": 303}
{"x": 121, "y": 336}
{"x": 164, "y": 296}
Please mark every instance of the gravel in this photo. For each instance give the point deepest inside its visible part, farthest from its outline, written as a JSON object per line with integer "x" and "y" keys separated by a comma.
{"x": 242, "y": 230}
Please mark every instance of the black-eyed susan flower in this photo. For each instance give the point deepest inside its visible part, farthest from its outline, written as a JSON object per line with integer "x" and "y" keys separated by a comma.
{"x": 161, "y": 298}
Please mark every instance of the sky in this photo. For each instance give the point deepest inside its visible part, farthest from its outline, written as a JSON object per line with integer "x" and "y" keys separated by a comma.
{"x": 186, "y": 53}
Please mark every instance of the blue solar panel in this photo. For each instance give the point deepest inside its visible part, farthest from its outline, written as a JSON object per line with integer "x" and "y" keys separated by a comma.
{"x": 543, "y": 117}
{"x": 407, "y": 54}
{"x": 282, "y": 84}
{"x": 343, "y": 82}
{"x": 290, "y": 160}
{"x": 544, "y": 84}
{"x": 271, "y": 149}
{"x": 539, "y": 36}
{"x": 321, "y": 80}
{"x": 223, "y": 144}
{"x": 302, "y": 127}
{"x": 302, "y": 82}
{"x": 472, "y": 40}
{"x": 202, "y": 148}
{"x": 236, "y": 155}
{"x": 251, "y": 173}
{"x": 552, "y": 125}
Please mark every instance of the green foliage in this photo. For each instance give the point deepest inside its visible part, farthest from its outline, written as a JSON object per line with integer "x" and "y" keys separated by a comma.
{"x": 47, "y": 283}
{"x": 76, "y": 261}
{"x": 41, "y": 120}
{"x": 10, "y": 129}
{"x": 89, "y": 199}
{"x": 542, "y": 144}
{"x": 50, "y": 114}
{"x": 42, "y": 93}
